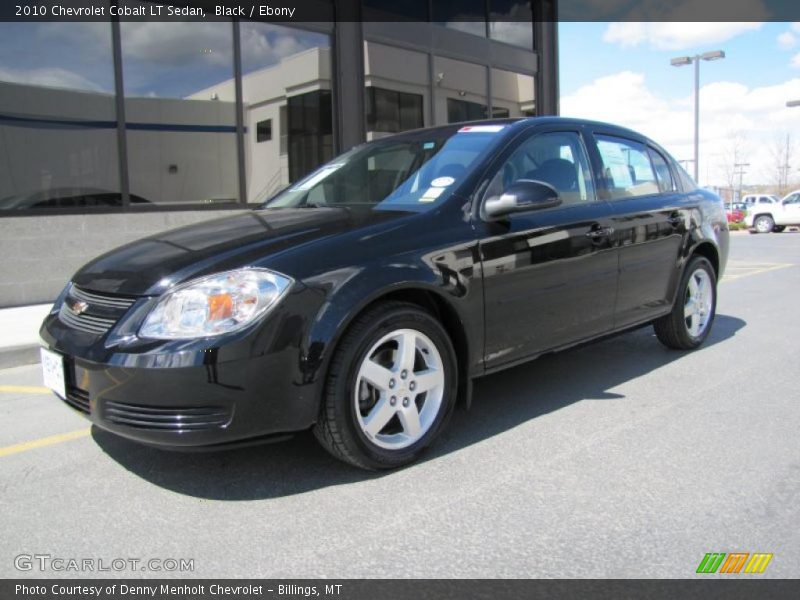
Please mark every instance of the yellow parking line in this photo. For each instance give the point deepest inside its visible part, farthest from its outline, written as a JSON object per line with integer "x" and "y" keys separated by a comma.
{"x": 756, "y": 272}
{"x": 24, "y": 389}
{"x": 46, "y": 441}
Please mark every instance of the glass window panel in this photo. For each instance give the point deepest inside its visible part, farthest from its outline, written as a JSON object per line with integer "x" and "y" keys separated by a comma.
{"x": 626, "y": 168}
{"x": 510, "y": 21}
{"x": 665, "y": 181}
{"x": 286, "y": 77}
{"x": 512, "y": 93}
{"x": 468, "y": 16}
{"x": 557, "y": 159}
{"x": 459, "y": 91}
{"x": 397, "y": 89}
{"x": 413, "y": 10}
{"x": 180, "y": 111}
{"x": 58, "y": 128}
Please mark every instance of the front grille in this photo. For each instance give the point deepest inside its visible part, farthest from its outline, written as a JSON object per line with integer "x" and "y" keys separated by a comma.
{"x": 93, "y": 299}
{"x": 78, "y": 399}
{"x": 100, "y": 313}
{"x": 166, "y": 419}
{"x": 85, "y": 322}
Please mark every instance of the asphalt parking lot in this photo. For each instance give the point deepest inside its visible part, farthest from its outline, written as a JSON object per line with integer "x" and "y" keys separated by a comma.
{"x": 619, "y": 459}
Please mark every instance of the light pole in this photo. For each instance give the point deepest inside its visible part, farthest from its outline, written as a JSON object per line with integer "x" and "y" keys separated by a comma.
{"x": 740, "y": 167}
{"x": 682, "y": 61}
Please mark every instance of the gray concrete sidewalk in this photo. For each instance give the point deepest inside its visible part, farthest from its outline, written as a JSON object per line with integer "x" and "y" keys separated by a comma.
{"x": 19, "y": 334}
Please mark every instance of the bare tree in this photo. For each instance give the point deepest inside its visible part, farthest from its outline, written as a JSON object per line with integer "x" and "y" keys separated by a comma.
{"x": 782, "y": 153}
{"x": 732, "y": 158}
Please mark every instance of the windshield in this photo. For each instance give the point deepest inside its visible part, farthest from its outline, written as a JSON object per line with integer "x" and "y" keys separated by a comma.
{"x": 410, "y": 174}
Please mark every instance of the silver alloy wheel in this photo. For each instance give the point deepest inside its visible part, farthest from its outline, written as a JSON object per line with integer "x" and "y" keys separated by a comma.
{"x": 764, "y": 224}
{"x": 699, "y": 303}
{"x": 399, "y": 389}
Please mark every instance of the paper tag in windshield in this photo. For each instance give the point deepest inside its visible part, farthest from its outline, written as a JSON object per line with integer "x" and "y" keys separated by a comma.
{"x": 431, "y": 194}
{"x": 316, "y": 178}
{"x": 481, "y": 128}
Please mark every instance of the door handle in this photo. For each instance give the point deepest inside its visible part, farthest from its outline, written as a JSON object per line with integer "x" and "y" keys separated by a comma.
{"x": 600, "y": 232}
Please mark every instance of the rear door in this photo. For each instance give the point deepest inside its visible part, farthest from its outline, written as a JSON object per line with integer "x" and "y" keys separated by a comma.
{"x": 650, "y": 219}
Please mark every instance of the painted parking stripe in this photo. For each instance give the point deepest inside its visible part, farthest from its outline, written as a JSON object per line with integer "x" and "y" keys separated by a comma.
{"x": 756, "y": 271}
{"x": 24, "y": 389}
{"x": 46, "y": 441}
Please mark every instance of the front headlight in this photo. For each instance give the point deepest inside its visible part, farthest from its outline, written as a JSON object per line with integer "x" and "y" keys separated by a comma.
{"x": 216, "y": 304}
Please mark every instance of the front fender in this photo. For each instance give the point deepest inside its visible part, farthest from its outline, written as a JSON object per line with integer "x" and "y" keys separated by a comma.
{"x": 451, "y": 276}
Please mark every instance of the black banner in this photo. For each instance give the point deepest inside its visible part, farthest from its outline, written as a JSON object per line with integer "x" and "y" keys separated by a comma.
{"x": 392, "y": 11}
{"x": 431, "y": 589}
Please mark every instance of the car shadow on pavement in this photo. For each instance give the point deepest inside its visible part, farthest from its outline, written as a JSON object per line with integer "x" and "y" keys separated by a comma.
{"x": 500, "y": 402}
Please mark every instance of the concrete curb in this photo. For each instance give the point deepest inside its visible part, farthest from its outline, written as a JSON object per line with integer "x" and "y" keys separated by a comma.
{"x": 17, "y": 356}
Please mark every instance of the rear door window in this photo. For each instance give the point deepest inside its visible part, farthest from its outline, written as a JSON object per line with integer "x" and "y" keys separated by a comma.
{"x": 627, "y": 170}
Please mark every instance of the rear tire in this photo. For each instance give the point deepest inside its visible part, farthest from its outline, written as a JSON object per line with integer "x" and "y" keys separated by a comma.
{"x": 689, "y": 322}
{"x": 390, "y": 388}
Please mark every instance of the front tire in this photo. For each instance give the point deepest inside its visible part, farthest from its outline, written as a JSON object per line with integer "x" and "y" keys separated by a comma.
{"x": 764, "y": 224}
{"x": 390, "y": 389}
{"x": 689, "y": 323}
{"x": 778, "y": 228}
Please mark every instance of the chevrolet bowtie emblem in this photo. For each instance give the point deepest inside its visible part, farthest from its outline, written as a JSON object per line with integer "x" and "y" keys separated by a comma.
{"x": 78, "y": 307}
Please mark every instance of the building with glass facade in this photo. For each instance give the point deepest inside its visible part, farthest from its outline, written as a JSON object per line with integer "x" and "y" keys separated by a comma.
{"x": 114, "y": 130}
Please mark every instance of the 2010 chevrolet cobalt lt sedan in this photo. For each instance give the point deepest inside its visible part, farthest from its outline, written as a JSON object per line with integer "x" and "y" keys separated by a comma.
{"x": 362, "y": 300}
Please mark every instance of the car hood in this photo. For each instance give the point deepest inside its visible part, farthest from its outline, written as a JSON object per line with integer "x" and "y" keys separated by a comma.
{"x": 152, "y": 265}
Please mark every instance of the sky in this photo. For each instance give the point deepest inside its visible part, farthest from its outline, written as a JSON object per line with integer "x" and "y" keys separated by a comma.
{"x": 621, "y": 73}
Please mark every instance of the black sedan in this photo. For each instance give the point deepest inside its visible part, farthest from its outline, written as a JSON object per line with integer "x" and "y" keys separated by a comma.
{"x": 363, "y": 300}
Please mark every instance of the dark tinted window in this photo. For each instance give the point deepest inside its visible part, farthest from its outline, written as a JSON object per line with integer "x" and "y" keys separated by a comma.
{"x": 391, "y": 111}
{"x": 463, "y": 110}
{"x": 264, "y": 131}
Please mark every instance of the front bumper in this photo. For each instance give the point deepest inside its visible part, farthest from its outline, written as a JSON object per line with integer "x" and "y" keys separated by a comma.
{"x": 185, "y": 398}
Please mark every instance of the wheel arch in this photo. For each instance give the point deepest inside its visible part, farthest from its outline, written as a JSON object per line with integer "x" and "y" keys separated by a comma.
{"x": 709, "y": 251}
{"x": 433, "y": 302}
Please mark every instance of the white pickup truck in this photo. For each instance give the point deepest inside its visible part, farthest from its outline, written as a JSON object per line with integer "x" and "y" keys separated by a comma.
{"x": 767, "y": 213}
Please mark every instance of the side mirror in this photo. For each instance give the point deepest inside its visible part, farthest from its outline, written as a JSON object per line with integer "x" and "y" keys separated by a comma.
{"x": 521, "y": 196}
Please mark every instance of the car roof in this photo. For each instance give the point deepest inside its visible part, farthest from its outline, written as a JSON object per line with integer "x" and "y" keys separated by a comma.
{"x": 519, "y": 123}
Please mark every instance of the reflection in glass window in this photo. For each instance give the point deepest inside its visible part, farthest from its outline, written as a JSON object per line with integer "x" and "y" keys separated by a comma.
{"x": 413, "y": 10}
{"x": 468, "y": 16}
{"x": 462, "y": 110}
{"x": 397, "y": 89}
{"x": 58, "y": 129}
{"x": 510, "y": 22}
{"x": 459, "y": 90}
{"x": 389, "y": 111}
{"x": 286, "y": 79}
{"x": 180, "y": 111}
{"x": 513, "y": 92}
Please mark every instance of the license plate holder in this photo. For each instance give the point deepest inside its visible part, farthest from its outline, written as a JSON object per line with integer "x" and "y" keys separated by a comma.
{"x": 53, "y": 372}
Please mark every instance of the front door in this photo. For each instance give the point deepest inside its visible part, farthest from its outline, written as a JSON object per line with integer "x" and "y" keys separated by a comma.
{"x": 550, "y": 276}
